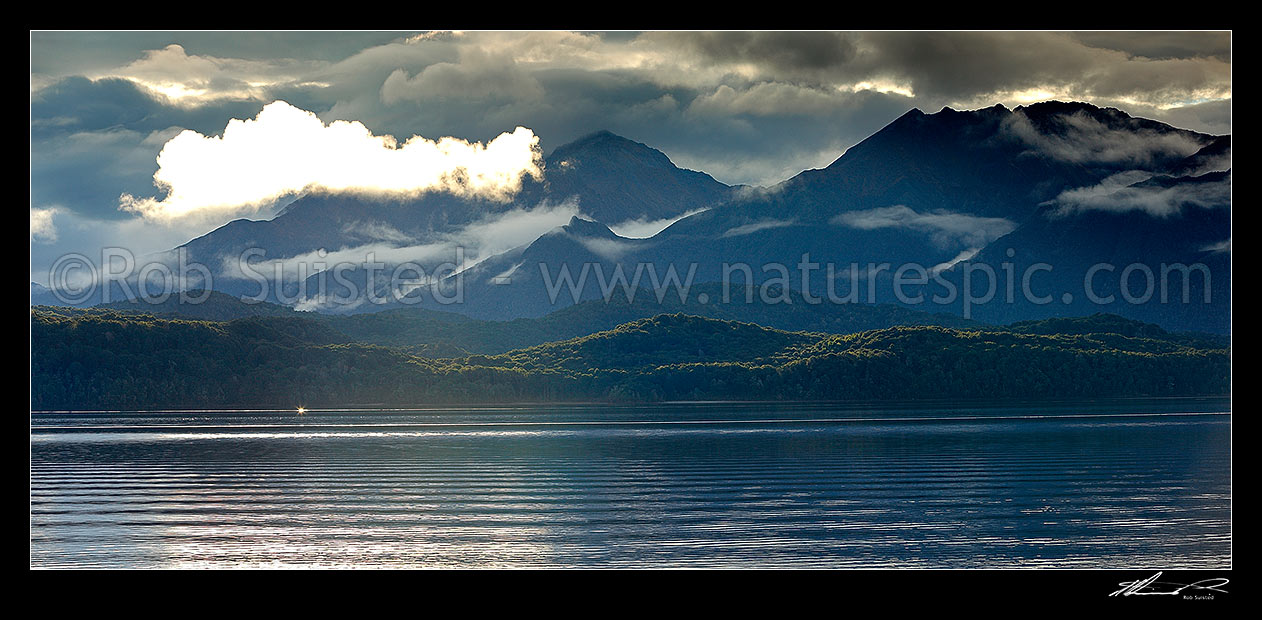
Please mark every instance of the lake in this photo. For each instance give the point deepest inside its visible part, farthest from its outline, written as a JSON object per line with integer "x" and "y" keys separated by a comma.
{"x": 1109, "y": 484}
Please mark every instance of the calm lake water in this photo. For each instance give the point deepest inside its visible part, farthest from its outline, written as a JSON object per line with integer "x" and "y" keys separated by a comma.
{"x": 1112, "y": 484}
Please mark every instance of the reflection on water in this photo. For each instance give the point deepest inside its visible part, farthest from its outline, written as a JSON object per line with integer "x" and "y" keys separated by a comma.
{"x": 1103, "y": 484}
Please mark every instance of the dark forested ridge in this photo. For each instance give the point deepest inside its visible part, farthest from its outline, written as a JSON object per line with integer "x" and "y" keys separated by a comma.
{"x": 106, "y": 359}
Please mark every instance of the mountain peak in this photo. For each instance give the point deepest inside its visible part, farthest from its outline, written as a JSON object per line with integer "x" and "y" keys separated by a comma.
{"x": 601, "y": 138}
{"x": 1057, "y": 106}
{"x": 1052, "y": 118}
{"x": 1054, "y": 109}
{"x": 600, "y": 134}
{"x": 616, "y": 179}
{"x": 608, "y": 147}
{"x": 587, "y": 228}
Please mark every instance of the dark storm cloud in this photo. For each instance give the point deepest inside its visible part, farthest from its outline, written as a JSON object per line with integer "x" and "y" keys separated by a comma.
{"x": 1162, "y": 45}
{"x": 85, "y": 172}
{"x": 63, "y": 53}
{"x": 77, "y": 104}
{"x": 789, "y": 51}
{"x": 566, "y": 85}
{"x": 953, "y": 68}
{"x": 952, "y": 65}
{"x": 478, "y": 75}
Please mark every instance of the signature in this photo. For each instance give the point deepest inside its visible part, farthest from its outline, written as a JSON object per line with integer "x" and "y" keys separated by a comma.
{"x": 1151, "y": 586}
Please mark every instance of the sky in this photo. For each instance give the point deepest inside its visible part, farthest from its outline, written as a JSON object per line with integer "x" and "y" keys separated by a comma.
{"x": 144, "y": 140}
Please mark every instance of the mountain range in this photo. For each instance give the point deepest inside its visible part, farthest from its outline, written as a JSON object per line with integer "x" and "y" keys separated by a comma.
{"x": 953, "y": 193}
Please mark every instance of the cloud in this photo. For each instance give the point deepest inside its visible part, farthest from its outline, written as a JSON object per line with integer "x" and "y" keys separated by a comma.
{"x": 766, "y": 99}
{"x": 753, "y": 227}
{"x": 90, "y": 236}
{"x": 1206, "y": 162}
{"x": 806, "y": 89}
{"x": 194, "y": 79}
{"x": 102, "y": 164}
{"x": 964, "y": 255}
{"x": 1082, "y": 138}
{"x": 608, "y": 249}
{"x": 42, "y": 228}
{"x": 643, "y": 228}
{"x": 286, "y": 150}
{"x": 376, "y": 231}
{"x": 947, "y": 229}
{"x": 975, "y": 69}
{"x": 792, "y": 51}
{"x": 1162, "y": 45}
{"x": 516, "y": 227}
{"x": 494, "y": 234}
{"x": 461, "y": 249}
{"x": 1221, "y": 246}
{"x": 302, "y": 266}
{"x": 478, "y": 75}
{"x": 1158, "y": 196}
{"x": 79, "y": 105}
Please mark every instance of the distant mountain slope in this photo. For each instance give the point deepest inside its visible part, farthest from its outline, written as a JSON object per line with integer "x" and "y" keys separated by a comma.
{"x": 788, "y": 310}
{"x": 42, "y": 296}
{"x": 1103, "y": 323}
{"x": 1213, "y": 157}
{"x": 203, "y": 305}
{"x": 435, "y": 333}
{"x": 1161, "y": 229}
{"x": 1100, "y": 323}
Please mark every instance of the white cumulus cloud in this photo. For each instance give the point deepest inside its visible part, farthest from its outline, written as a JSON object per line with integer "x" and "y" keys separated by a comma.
{"x": 42, "y": 228}
{"x": 286, "y": 150}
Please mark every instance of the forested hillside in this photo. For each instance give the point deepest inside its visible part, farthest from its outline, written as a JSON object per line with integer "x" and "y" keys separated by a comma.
{"x": 101, "y": 359}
